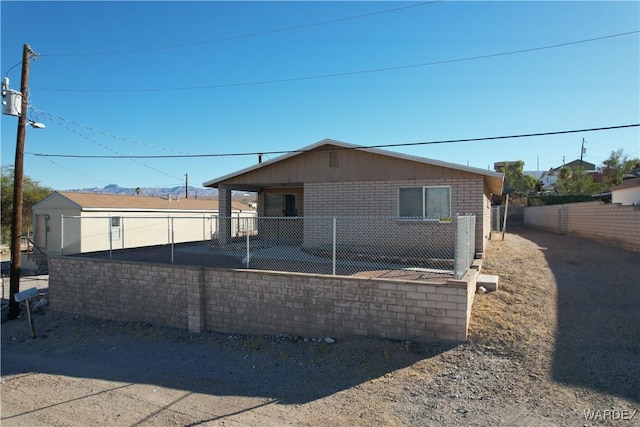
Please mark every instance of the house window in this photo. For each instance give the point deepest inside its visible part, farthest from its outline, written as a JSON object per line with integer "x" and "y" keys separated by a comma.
{"x": 426, "y": 203}
{"x": 116, "y": 229}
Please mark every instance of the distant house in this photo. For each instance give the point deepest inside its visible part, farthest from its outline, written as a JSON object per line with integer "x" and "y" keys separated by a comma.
{"x": 578, "y": 164}
{"x": 535, "y": 174}
{"x": 550, "y": 177}
{"x": 627, "y": 193}
{"x": 332, "y": 178}
{"x": 72, "y": 223}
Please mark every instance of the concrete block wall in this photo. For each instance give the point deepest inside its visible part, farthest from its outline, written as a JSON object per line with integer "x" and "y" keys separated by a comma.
{"x": 610, "y": 223}
{"x": 152, "y": 293}
{"x": 262, "y": 302}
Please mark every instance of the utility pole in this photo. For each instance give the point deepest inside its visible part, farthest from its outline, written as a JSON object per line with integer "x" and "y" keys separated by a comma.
{"x": 186, "y": 185}
{"x": 18, "y": 175}
{"x": 581, "y": 153}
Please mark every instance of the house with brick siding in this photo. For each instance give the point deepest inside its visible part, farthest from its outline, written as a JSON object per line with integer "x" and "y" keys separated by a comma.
{"x": 332, "y": 178}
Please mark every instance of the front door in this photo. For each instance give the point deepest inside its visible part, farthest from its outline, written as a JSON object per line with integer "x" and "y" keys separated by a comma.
{"x": 278, "y": 205}
{"x": 281, "y": 222}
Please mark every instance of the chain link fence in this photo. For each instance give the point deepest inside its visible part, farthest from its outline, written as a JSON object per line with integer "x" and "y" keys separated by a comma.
{"x": 366, "y": 246}
{"x": 82, "y": 234}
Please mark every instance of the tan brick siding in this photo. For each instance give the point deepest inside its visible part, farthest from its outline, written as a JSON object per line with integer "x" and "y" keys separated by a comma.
{"x": 261, "y": 302}
{"x": 380, "y": 199}
{"x": 613, "y": 224}
{"x": 126, "y": 291}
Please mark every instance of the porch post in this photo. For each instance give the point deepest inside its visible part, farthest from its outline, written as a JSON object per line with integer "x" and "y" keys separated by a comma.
{"x": 224, "y": 211}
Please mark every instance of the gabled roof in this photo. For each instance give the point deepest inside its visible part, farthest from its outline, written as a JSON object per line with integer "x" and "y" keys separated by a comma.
{"x": 119, "y": 202}
{"x": 493, "y": 179}
{"x": 629, "y": 183}
{"x": 535, "y": 174}
{"x": 578, "y": 163}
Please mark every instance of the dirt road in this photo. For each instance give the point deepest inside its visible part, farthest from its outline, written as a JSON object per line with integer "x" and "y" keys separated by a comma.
{"x": 558, "y": 344}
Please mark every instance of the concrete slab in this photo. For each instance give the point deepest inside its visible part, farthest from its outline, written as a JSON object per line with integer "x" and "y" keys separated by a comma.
{"x": 489, "y": 281}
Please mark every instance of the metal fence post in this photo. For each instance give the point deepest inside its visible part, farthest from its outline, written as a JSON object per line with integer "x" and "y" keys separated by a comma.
{"x": 472, "y": 239}
{"x": 248, "y": 249}
{"x": 335, "y": 222}
{"x": 470, "y": 248}
{"x": 456, "y": 249}
{"x": 110, "y": 235}
{"x": 61, "y": 234}
{"x": 172, "y": 238}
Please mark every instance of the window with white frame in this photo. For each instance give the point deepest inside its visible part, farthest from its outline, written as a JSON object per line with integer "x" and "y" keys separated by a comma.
{"x": 425, "y": 203}
{"x": 116, "y": 229}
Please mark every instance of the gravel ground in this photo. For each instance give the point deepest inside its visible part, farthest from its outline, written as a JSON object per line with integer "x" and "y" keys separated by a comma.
{"x": 557, "y": 344}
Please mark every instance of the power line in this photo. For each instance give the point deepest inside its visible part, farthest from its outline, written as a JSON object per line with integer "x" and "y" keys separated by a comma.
{"x": 53, "y": 117}
{"x": 105, "y": 182}
{"x": 76, "y": 172}
{"x": 11, "y": 68}
{"x": 117, "y": 156}
{"x": 343, "y": 74}
{"x": 408, "y": 144}
{"x": 245, "y": 36}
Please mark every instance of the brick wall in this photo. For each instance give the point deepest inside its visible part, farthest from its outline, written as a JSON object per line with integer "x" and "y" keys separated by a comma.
{"x": 613, "y": 224}
{"x": 262, "y": 302}
{"x": 125, "y": 291}
{"x": 380, "y": 199}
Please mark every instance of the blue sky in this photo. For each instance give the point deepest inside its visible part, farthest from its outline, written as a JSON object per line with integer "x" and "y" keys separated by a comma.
{"x": 174, "y": 78}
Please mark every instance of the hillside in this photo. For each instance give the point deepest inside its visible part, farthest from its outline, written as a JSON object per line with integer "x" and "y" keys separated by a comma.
{"x": 174, "y": 192}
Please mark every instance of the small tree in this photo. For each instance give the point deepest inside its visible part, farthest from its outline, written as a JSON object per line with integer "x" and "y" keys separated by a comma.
{"x": 574, "y": 181}
{"x": 515, "y": 181}
{"x": 33, "y": 193}
{"x": 616, "y": 166}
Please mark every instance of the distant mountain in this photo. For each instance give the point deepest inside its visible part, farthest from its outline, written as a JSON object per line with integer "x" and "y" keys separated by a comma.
{"x": 174, "y": 192}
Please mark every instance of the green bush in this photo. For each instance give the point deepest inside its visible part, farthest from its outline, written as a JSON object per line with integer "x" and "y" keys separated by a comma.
{"x": 558, "y": 199}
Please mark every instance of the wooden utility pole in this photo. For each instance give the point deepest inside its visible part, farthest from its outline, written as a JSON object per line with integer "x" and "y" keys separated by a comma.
{"x": 18, "y": 175}
{"x": 186, "y": 185}
{"x": 506, "y": 212}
